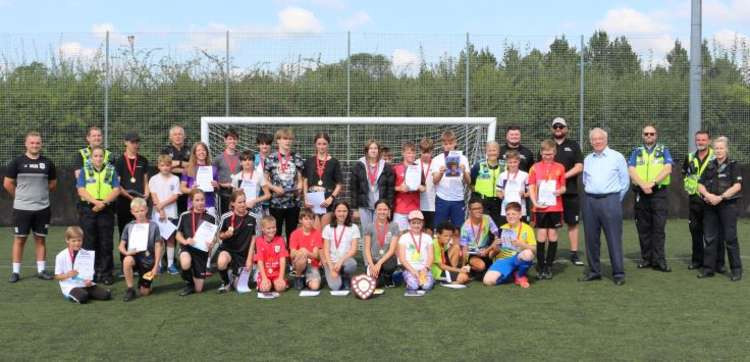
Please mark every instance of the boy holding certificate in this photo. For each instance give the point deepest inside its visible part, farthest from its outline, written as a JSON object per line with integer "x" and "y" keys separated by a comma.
{"x": 514, "y": 251}
{"x": 546, "y": 185}
{"x": 236, "y": 235}
{"x": 252, "y": 181}
{"x": 165, "y": 189}
{"x": 450, "y": 173}
{"x": 512, "y": 186}
{"x": 477, "y": 235}
{"x": 194, "y": 253}
{"x": 270, "y": 256}
{"x": 141, "y": 245}
{"x": 408, "y": 186}
{"x": 73, "y": 286}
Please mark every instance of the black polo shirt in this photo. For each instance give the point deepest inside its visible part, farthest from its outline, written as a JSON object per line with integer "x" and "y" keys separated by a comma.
{"x": 141, "y": 170}
{"x": 568, "y": 154}
{"x": 717, "y": 178}
{"x": 182, "y": 154}
{"x": 527, "y": 157}
{"x": 244, "y": 231}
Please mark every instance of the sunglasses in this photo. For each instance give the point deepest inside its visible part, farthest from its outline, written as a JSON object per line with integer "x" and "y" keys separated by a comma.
{"x": 649, "y": 133}
{"x": 558, "y": 126}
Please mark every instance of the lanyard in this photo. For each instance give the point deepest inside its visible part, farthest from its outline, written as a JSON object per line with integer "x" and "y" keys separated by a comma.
{"x": 320, "y": 167}
{"x": 131, "y": 168}
{"x": 372, "y": 173}
{"x": 337, "y": 240}
{"x": 284, "y": 161}
{"x": 478, "y": 231}
{"x": 425, "y": 172}
{"x": 417, "y": 244}
{"x": 231, "y": 162}
{"x": 381, "y": 234}
{"x": 193, "y": 225}
{"x": 72, "y": 256}
{"x": 231, "y": 220}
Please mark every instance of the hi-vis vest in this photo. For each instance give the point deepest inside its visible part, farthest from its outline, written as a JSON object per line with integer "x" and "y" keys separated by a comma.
{"x": 695, "y": 170}
{"x": 86, "y": 155}
{"x": 486, "y": 179}
{"x": 648, "y": 165}
{"x": 98, "y": 183}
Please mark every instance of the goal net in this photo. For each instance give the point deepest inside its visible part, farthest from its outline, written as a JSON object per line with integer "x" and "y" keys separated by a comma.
{"x": 349, "y": 134}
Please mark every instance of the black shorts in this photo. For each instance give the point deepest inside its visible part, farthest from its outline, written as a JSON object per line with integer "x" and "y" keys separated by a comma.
{"x": 238, "y": 259}
{"x": 198, "y": 260}
{"x": 143, "y": 265}
{"x": 548, "y": 220}
{"x": 429, "y": 220}
{"x": 478, "y": 275}
{"x": 571, "y": 209}
{"x": 25, "y": 221}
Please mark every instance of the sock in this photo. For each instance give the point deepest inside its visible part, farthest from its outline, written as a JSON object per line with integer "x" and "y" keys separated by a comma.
{"x": 187, "y": 276}
{"x": 170, "y": 256}
{"x": 40, "y": 265}
{"x": 224, "y": 276}
{"x": 540, "y": 255}
{"x": 551, "y": 252}
{"x": 523, "y": 267}
{"x": 17, "y": 268}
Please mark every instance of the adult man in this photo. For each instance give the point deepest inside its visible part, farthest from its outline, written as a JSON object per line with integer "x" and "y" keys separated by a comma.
{"x": 650, "y": 167}
{"x": 180, "y": 157}
{"x": 692, "y": 169}
{"x": 227, "y": 164}
{"x": 569, "y": 155}
{"x": 29, "y": 179}
{"x": 513, "y": 142}
{"x": 605, "y": 182}
{"x": 93, "y": 139}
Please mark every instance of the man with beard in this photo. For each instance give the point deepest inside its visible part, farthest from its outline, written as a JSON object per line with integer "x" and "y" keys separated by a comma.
{"x": 513, "y": 142}
{"x": 94, "y": 138}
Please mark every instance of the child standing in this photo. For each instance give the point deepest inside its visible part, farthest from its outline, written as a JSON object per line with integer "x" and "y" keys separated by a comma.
{"x": 512, "y": 186}
{"x": 165, "y": 189}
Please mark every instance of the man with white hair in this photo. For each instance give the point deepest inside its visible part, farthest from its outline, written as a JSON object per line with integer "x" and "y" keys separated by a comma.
{"x": 605, "y": 182}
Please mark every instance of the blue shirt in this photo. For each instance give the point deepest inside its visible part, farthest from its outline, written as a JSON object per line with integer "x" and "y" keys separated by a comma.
{"x": 605, "y": 173}
{"x": 633, "y": 160}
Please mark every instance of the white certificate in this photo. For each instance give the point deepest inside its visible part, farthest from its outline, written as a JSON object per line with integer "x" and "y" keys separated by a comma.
{"x": 309, "y": 293}
{"x": 412, "y": 177}
{"x": 315, "y": 199}
{"x": 242, "y": 282}
{"x": 547, "y": 193}
{"x": 250, "y": 189}
{"x": 203, "y": 178}
{"x": 204, "y": 235}
{"x": 138, "y": 238}
{"x": 166, "y": 228}
{"x": 507, "y": 237}
{"x": 512, "y": 191}
{"x": 84, "y": 264}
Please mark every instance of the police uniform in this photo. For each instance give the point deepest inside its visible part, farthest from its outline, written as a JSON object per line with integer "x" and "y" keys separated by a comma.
{"x": 692, "y": 169}
{"x": 720, "y": 221}
{"x": 84, "y": 155}
{"x": 651, "y": 210}
{"x": 98, "y": 226}
{"x": 484, "y": 178}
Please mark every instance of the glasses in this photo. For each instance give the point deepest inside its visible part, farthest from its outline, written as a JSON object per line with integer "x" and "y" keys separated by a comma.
{"x": 476, "y": 208}
{"x": 558, "y": 126}
{"x": 649, "y": 133}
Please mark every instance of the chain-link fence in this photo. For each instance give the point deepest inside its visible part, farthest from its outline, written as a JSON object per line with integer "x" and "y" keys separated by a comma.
{"x": 60, "y": 84}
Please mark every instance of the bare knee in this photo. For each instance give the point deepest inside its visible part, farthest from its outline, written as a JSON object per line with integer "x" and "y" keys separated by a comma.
{"x": 526, "y": 255}
{"x": 128, "y": 261}
{"x": 313, "y": 284}
{"x": 223, "y": 260}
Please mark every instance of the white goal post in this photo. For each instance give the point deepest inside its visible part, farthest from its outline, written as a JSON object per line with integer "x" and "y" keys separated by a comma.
{"x": 349, "y": 134}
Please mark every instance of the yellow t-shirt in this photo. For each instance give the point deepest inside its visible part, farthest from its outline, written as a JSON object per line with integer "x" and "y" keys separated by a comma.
{"x": 524, "y": 232}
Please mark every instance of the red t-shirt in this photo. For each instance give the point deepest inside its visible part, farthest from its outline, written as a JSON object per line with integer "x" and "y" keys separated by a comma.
{"x": 542, "y": 171}
{"x": 299, "y": 240}
{"x": 270, "y": 254}
{"x": 404, "y": 201}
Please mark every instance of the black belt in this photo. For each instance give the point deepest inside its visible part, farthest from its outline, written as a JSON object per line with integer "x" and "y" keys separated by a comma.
{"x": 491, "y": 198}
{"x": 601, "y": 196}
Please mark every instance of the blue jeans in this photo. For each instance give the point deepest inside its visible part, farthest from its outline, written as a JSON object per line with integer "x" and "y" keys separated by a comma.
{"x": 453, "y": 211}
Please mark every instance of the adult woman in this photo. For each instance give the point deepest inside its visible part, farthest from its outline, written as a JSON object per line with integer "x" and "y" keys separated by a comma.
{"x": 322, "y": 174}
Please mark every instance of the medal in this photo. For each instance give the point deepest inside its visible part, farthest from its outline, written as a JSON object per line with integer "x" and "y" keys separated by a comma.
{"x": 131, "y": 168}
{"x": 372, "y": 175}
{"x": 382, "y": 252}
{"x": 320, "y": 167}
{"x": 231, "y": 229}
{"x": 132, "y": 180}
{"x": 320, "y": 182}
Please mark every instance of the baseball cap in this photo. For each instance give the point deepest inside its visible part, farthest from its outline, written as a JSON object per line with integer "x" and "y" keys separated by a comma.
{"x": 559, "y": 120}
{"x": 132, "y": 137}
{"x": 415, "y": 214}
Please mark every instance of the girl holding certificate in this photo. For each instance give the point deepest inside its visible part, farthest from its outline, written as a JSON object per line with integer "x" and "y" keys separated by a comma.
{"x": 252, "y": 181}
{"x": 322, "y": 178}
{"x": 340, "y": 242}
{"x": 194, "y": 253}
{"x": 200, "y": 175}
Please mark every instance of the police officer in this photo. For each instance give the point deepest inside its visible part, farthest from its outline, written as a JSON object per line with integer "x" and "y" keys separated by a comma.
{"x": 692, "y": 169}
{"x": 720, "y": 185}
{"x": 98, "y": 186}
{"x": 650, "y": 166}
{"x": 180, "y": 157}
{"x": 484, "y": 176}
{"x": 94, "y": 139}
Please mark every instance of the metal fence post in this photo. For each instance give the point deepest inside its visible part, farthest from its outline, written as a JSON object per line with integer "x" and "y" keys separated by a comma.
{"x": 466, "y": 101}
{"x": 348, "y": 94}
{"x": 106, "y": 90}
{"x": 226, "y": 79}
{"x": 580, "y": 96}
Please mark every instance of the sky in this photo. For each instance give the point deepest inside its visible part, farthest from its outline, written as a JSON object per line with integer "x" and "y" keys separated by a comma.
{"x": 396, "y": 28}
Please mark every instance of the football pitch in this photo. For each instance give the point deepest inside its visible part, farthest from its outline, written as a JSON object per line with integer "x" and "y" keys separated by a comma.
{"x": 654, "y": 316}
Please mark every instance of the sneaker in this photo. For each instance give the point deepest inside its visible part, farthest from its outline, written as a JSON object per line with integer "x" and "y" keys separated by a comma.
{"x": 108, "y": 280}
{"x": 575, "y": 260}
{"x": 224, "y": 288}
{"x": 187, "y": 291}
{"x": 522, "y": 282}
{"x": 209, "y": 274}
{"x": 14, "y": 277}
{"x": 129, "y": 295}
{"x": 45, "y": 275}
{"x": 547, "y": 272}
{"x": 172, "y": 270}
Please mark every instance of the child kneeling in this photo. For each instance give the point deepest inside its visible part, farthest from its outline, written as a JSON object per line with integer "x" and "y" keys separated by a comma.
{"x": 416, "y": 254}
{"x": 514, "y": 252}
{"x": 270, "y": 256}
{"x": 73, "y": 287}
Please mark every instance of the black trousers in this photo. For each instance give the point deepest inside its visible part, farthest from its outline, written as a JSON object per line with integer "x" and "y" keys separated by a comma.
{"x": 603, "y": 213}
{"x": 492, "y": 207}
{"x": 288, "y": 218}
{"x": 386, "y": 272}
{"x": 94, "y": 292}
{"x": 650, "y": 220}
{"x": 695, "y": 222}
{"x": 720, "y": 223}
{"x": 98, "y": 228}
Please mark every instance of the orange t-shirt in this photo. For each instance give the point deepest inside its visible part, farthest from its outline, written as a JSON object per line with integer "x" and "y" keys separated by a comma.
{"x": 543, "y": 171}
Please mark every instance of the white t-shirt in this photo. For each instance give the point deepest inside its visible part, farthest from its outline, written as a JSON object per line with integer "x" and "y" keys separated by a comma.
{"x": 418, "y": 260}
{"x": 257, "y": 180}
{"x": 164, "y": 188}
{"x": 63, "y": 264}
{"x": 427, "y": 198}
{"x": 345, "y": 244}
{"x": 449, "y": 188}
{"x": 518, "y": 181}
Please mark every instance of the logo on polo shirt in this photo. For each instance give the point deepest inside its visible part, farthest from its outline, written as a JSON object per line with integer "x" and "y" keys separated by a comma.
{"x": 568, "y": 149}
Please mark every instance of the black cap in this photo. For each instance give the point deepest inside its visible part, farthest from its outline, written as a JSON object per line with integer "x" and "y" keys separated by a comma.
{"x": 132, "y": 137}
